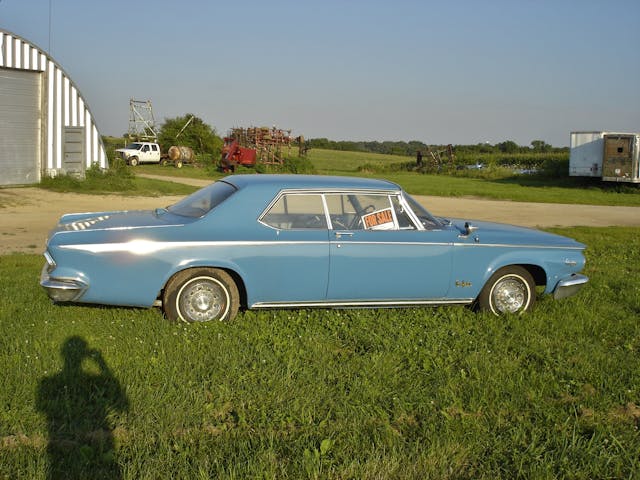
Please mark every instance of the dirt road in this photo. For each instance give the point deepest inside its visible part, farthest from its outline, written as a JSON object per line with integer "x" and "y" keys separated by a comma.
{"x": 27, "y": 214}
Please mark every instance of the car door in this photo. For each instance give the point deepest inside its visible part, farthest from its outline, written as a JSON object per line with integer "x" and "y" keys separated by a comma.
{"x": 145, "y": 153}
{"x": 295, "y": 266}
{"x": 378, "y": 253}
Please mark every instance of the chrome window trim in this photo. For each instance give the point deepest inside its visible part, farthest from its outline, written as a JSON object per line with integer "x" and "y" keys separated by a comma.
{"x": 414, "y": 218}
{"x": 281, "y": 194}
{"x": 326, "y": 212}
{"x": 322, "y": 192}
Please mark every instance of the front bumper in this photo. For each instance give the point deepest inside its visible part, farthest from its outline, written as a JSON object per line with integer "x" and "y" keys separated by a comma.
{"x": 569, "y": 286}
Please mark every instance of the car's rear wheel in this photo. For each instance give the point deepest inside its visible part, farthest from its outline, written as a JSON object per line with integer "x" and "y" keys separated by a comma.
{"x": 509, "y": 290}
{"x": 201, "y": 295}
{"x": 133, "y": 161}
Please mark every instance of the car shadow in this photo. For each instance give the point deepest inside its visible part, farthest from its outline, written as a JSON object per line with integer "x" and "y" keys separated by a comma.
{"x": 79, "y": 403}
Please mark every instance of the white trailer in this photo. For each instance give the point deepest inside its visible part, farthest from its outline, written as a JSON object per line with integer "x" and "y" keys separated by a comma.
{"x": 611, "y": 156}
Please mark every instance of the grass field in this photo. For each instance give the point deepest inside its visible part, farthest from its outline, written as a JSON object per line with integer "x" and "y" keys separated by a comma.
{"x": 411, "y": 394}
{"x": 502, "y": 186}
{"x": 120, "y": 180}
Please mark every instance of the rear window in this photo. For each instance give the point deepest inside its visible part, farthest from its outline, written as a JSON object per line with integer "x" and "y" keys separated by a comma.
{"x": 296, "y": 211}
{"x": 203, "y": 201}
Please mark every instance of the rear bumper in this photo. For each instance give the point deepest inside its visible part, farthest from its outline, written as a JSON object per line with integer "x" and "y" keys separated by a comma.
{"x": 569, "y": 286}
{"x": 61, "y": 289}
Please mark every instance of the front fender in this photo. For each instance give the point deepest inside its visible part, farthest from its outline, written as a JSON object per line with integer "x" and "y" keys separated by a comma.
{"x": 474, "y": 265}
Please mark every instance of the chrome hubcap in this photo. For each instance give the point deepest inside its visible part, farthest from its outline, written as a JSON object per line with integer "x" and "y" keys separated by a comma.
{"x": 202, "y": 300}
{"x": 509, "y": 295}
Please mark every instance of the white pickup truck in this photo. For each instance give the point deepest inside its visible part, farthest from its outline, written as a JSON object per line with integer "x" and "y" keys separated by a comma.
{"x": 140, "y": 152}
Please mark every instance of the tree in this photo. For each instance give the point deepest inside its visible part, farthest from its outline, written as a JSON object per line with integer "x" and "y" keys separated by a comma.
{"x": 201, "y": 137}
{"x": 541, "y": 146}
{"x": 508, "y": 146}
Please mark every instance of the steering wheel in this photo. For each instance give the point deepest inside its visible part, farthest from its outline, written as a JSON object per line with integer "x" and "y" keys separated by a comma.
{"x": 357, "y": 220}
{"x": 315, "y": 221}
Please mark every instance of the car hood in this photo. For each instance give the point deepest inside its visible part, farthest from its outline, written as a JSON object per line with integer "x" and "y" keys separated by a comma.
{"x": 503, "y": 234}
{"x": 123, "y": 220}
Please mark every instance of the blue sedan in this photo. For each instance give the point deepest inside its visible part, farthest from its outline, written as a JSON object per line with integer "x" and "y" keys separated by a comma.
{"x": 285, "y": 241}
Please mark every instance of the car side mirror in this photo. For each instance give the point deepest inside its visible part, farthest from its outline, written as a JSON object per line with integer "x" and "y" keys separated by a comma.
{"x": 468, "y": 229}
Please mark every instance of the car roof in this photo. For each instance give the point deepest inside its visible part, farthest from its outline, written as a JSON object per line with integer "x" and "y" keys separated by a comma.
{"x": 326, "y": 182}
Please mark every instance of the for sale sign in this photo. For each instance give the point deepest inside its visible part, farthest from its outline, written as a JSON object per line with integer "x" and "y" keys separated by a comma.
{"x": 379, "y": 220}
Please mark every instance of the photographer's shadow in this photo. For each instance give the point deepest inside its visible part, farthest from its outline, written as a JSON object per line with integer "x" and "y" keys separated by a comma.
{"x": 78, "y": 402}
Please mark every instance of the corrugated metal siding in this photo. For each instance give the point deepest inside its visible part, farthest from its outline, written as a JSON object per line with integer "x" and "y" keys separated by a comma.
{"x": 19, "y": 127}
{"x": 63, "y": 104}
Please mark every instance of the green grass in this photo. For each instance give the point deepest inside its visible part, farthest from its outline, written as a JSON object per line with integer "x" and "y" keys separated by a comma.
{"x": 500, "y": 186}
{"x": 495, "y": 183}
{"x": 517, "y": 190}
{"x": 416, "y": 393}
{"x": 121, "y": 180}
{"x": 187, "y": 171}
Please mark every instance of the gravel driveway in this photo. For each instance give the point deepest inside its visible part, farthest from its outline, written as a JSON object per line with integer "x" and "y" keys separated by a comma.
{"x": 27, "y": 214}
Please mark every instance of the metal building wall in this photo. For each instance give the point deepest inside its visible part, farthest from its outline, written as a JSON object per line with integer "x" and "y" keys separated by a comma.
{"x": 63, "y": 105}
{"x": 20, "y": 126}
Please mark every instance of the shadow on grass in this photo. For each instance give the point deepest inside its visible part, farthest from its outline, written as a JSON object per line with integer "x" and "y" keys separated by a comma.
{"x": 78, "y": 402}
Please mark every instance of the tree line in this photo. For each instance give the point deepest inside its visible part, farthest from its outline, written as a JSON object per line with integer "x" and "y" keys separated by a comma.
{"x": 192, "y": 131}
{"x": 412, "y": 147}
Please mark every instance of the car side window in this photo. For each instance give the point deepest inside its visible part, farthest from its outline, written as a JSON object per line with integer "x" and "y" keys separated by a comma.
{"x": 367, "y": 212}
{"x": 296, "y": 211}
{"x": 402, "y": 216}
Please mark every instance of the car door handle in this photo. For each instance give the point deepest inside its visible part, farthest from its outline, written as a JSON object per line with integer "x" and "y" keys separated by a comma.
{"x": 343, "y": 234}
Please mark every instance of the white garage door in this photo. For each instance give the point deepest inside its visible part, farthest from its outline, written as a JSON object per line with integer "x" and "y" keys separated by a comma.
{"x": 19, "y": 127}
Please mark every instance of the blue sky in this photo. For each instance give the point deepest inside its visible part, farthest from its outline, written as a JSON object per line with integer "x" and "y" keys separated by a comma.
{"x": 459, "y": 72}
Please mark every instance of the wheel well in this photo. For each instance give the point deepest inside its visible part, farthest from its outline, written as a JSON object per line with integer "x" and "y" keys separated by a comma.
{"x": 242, "y": 291}
{"x": 537, "y": 272}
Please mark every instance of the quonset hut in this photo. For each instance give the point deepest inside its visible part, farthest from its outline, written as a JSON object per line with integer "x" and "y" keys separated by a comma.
{"x": 46, "y": 127}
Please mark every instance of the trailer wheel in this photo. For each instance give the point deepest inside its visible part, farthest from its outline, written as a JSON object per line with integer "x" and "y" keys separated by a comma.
{"x": 179, "y": 164}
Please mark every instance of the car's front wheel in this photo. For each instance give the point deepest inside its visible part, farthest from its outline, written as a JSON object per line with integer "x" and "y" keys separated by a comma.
{"x": 133, "y": 161}
{"x": 509, "y": 290}
{"x": 201, "y": 295}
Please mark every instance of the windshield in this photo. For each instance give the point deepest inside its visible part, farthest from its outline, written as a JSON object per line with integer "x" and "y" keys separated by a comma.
{"x": 203, "y": 201}
{"x": 427, "y": 220}
{"x": 134, "y": 146}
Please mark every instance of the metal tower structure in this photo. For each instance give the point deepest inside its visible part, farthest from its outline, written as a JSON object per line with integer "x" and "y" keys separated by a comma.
{"x": 142, "y": 125}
